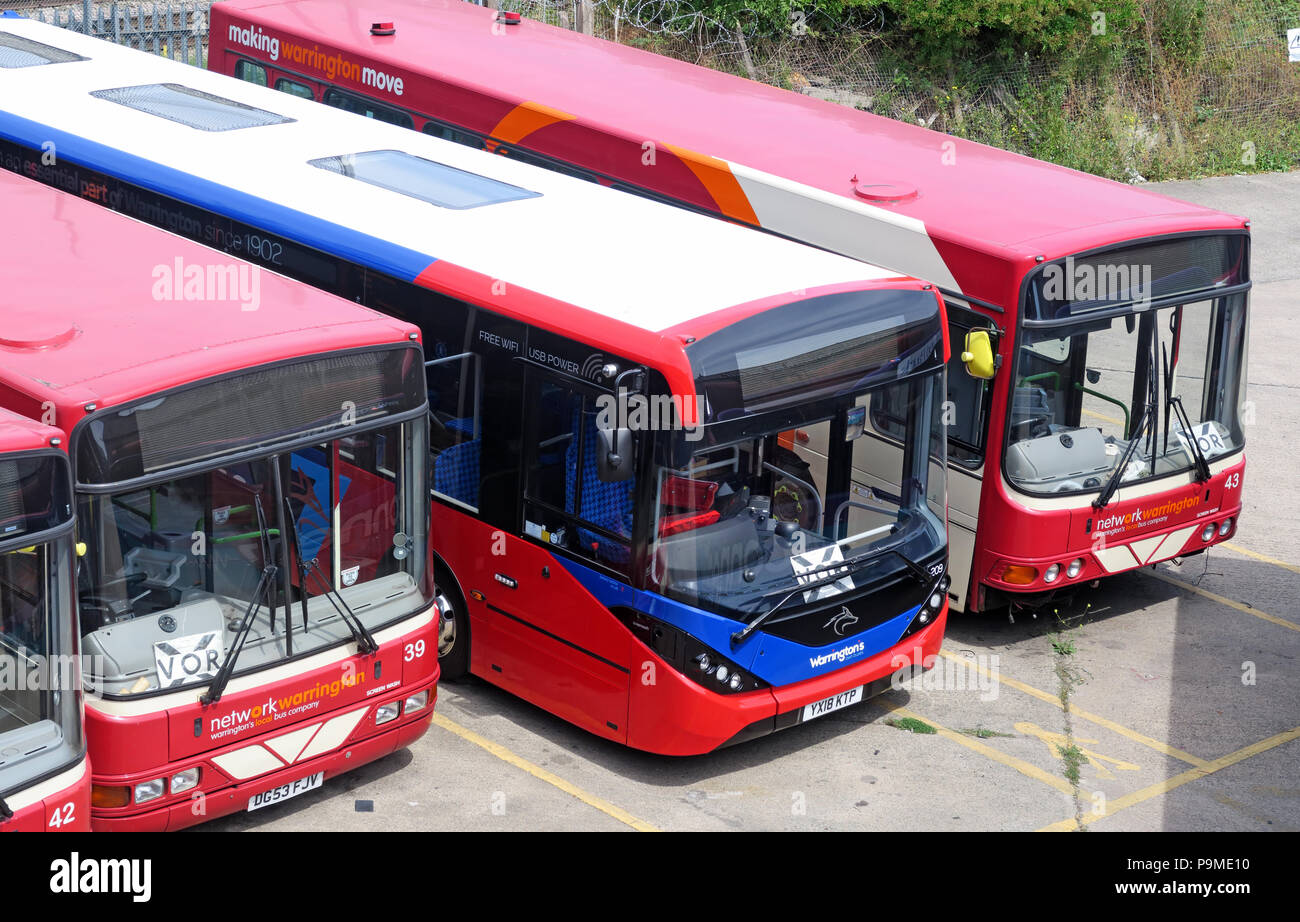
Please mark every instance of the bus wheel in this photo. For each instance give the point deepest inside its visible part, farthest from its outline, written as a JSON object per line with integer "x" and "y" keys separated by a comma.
{"x": 453, "y": 630}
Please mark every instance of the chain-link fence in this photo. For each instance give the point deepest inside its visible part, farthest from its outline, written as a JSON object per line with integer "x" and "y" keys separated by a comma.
{"x": 1235, "y": 106}
{"x": 174, "y": 30}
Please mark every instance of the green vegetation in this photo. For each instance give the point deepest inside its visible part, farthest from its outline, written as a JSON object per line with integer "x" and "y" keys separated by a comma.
{"x": 1151, "y": 89}
{"x": 911, "y": 725}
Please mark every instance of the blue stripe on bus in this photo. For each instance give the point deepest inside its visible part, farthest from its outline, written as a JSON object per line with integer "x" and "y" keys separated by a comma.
{"x": 331, "y": 238}
{"x": 777, "y": 661}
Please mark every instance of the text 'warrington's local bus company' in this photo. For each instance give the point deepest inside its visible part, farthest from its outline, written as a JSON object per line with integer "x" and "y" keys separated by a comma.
{"x": 1105, "y": 431}
{"x": 254, "y": 602}
{"x": 773, "y": 549}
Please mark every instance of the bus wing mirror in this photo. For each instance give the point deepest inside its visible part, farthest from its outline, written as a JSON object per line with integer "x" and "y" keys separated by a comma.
{"x": 978, "y": 356}
{"x": 614, "y": 455}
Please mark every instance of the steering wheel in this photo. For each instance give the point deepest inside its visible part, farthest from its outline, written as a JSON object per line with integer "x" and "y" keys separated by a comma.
{"x": 100, "y": 609}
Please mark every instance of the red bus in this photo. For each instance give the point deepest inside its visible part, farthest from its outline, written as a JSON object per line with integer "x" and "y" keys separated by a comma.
{"x": 255, "y": 609}
{"x": 1108, "y": 433}
{"x": 689, "y": 477}
{"x": 44, "y": 773}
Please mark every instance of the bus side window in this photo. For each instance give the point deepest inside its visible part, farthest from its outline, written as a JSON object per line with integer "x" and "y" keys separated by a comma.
{"x": 566, "y": 503}
{"x": 294, "y": 88}
{"x": 253, "y": 73}
{"x": 447, "y": 133}
{"x": 455, "y": 436}
{"x": 349, "y": 102}
{"x": 965, "y": 416}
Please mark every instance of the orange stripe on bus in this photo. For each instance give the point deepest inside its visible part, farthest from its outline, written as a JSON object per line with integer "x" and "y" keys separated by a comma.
{"x": 720, "y": 182}
{"x": 524, "y": 119}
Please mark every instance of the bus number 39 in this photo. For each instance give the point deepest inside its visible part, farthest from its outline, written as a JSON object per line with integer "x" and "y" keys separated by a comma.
{"x": 414, "y": 650}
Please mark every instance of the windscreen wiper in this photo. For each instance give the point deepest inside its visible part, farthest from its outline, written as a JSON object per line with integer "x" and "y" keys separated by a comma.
{"x": 1198, "y": 456}
{"x": 265, "y": 587}
{"x": 1113, "y": 483}
{"x": 222, "y": 678}
{"x": 360, "y": 633}
{"x": 5, "y": 812}
{"x": 843, "y": 568}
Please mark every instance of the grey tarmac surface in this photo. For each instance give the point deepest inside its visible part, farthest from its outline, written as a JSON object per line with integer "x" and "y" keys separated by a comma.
{"x": 1185, "y": 698}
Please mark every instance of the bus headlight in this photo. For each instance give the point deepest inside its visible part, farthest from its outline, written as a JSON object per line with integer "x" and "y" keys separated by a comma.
{"x": 1075, "y": 568}
{"x": 1052, "y": 573}
{"x": 1208, "y": 532}
{"x": 416, "y": 702}
{"x": 146, "y": 791}
{"x": 687, "y": 655}
{"x": 386, "y": 712}
{"x": 1225, "y": 527}
{"x": 184, "y": 781}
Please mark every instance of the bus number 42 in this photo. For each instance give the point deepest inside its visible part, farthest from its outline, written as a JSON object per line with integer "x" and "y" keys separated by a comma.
{"x": 63, "y": 816}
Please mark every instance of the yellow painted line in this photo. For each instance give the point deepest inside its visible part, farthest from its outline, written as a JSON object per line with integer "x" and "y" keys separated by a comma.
{"x": 1020, "y": 765}
{"x": 1109, "y": 419}
{"x": 1164, "y": 787}
{"x": 1224, "y": 600}
{"x": 1237, "y": 549}
{"x": 1051, "y": 699}
{"x": 505, "y": 755}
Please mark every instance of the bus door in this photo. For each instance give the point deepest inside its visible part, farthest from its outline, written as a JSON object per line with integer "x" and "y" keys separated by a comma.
{"x": 550, "y": 632}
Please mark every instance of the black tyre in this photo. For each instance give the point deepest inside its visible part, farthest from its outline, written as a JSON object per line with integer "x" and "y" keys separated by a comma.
{"x": 453, "y": 627}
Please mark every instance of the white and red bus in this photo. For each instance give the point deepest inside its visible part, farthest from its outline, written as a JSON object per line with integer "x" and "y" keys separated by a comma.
{"x": 248, "y": 462}
{"x": 44, "y": 772}
{"x": 1109, "y": 436}
{"x": 689, "y": 477}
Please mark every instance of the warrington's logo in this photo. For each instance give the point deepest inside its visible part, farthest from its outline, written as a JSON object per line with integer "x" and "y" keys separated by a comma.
{"x": 842, "y": 621}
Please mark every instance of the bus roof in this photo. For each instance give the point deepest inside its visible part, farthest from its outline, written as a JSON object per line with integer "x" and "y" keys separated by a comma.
{"x": 99, "y": 315}
{"x": 977, "y": 203}
{"x": 18, "y": 433}
{"x": 615, "y": 256}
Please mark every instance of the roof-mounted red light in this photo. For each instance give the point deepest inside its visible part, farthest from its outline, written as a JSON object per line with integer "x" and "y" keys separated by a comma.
{"x": 383, "y": 28}
{"x": 510, "y": 19}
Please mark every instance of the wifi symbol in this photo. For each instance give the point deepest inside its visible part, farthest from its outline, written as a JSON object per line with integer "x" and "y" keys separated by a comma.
{"x": 591, "y": 368}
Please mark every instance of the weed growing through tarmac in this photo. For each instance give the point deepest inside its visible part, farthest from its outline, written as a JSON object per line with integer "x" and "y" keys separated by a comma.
{"x": 910, "y": 724}
{"x": 983, "y": 734}
{"x": 1063, "y": 650}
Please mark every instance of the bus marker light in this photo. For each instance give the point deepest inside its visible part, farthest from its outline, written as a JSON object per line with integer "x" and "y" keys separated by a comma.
{"x": 1019, "y": 574}
{"x": 383, "y": 28}
{"x": 183, "y": 781}
{"x": 146, "y": 791}
{"x": 110, "y": 795}
{"x": 386, "y": 712}
{"x": 416, "y": 702}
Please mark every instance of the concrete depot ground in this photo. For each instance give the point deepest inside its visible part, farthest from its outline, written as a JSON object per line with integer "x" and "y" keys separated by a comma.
{"x": 1171, "y": 737}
